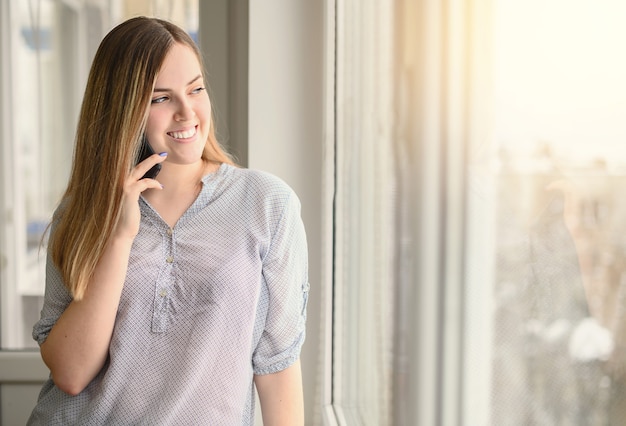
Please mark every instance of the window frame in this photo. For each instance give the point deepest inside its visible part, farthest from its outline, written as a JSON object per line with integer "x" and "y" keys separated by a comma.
{"x": 436, "y": 240}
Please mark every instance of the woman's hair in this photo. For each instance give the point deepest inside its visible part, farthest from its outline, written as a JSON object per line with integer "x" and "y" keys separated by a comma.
{"x": 111, "y": 123}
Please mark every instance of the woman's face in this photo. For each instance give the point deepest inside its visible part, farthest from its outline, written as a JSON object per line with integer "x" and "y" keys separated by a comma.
{"x": 180, "y": 111}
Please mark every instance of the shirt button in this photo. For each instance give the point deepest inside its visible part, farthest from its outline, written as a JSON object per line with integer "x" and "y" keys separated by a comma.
{"x": 169, "y": 259}
{"x": 169, "y": 231}
{"x": 163, "y": 293}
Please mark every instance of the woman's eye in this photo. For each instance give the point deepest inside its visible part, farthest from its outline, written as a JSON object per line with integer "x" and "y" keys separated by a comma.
{"x": 197, "y": 90}
{"x": 159, "y": 100}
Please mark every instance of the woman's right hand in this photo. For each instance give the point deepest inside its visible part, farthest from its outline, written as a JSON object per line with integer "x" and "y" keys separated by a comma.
{"x": 128, "y": 222}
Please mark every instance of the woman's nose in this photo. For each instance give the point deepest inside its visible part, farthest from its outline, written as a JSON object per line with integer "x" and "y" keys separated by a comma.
{"x": 184, "y": 111}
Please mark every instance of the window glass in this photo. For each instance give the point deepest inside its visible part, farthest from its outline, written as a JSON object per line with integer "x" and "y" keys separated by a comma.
{"x": 560, "y": 165}
{"x": 530, "y": 329}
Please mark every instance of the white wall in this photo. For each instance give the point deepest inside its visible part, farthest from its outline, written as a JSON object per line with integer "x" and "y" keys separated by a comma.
{"x": 285, "y": 131}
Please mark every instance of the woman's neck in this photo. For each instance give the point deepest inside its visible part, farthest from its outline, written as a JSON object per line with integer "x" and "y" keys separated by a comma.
{"x": 181, "y": 186}
{"x": 183, "y": 177}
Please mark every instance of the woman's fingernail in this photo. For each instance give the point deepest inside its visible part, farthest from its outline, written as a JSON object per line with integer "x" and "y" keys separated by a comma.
{"x": 163, "y": 154}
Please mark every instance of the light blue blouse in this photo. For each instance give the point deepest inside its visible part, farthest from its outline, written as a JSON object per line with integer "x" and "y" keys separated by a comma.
{"x": 205, "y": 305}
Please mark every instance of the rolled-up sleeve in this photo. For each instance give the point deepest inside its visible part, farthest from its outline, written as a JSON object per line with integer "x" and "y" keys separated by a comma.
{"x": 56, "y": 299}
{"x": 285, "y": 271}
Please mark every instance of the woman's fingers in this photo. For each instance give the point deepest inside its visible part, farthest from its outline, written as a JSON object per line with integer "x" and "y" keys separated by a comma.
{"x": 128, "y": 224}
{"x": 140, "y": 169}
{"x": 135, "y": 185}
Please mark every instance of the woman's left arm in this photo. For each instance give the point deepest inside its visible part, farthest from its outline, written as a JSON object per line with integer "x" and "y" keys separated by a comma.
{"x": 282, "y": 401}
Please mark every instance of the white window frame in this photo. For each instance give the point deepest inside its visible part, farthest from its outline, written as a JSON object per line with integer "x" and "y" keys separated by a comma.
{"x": 446, "y": 286}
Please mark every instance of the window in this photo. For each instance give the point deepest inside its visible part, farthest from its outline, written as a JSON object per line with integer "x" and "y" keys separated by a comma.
{"x": 477, "y": 243}
{"x": 558, "y": 167}
{"x": 363, "y": 215}
{"x": 40, "y": 78}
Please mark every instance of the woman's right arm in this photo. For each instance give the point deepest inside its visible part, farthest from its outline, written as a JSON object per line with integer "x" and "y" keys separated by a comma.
{"x": 78, "y": 344}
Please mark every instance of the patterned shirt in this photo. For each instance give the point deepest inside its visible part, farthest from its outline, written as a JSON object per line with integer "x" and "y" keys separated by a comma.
{"x": 205, "y": 305}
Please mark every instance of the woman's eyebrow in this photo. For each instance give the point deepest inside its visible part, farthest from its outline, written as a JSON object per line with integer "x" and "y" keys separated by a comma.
{"x": 159, "y": 89}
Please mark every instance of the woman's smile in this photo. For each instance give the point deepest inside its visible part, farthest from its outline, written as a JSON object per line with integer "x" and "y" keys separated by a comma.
{"x": 184, "y": 135}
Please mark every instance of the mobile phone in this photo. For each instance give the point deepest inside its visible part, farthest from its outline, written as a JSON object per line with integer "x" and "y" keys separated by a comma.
{"x": 145, "y": 152}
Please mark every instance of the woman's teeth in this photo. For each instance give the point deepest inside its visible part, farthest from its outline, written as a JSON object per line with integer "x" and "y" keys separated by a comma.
{"x": 183, "y": 135}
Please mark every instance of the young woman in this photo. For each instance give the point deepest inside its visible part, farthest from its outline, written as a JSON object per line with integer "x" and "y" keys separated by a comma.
{"x": 168, "y": 299}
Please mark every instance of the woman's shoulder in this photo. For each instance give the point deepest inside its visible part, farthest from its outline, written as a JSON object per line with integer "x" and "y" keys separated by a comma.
{"x": 260, "y": 182}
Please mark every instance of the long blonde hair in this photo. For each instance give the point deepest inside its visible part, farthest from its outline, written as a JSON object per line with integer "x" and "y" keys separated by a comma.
{"x": 112, "y": 119}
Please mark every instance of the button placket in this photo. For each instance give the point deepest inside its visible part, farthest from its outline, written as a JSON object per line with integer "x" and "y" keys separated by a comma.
{"x": 161, "y": 314}
{"x": 170, "y": 245}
